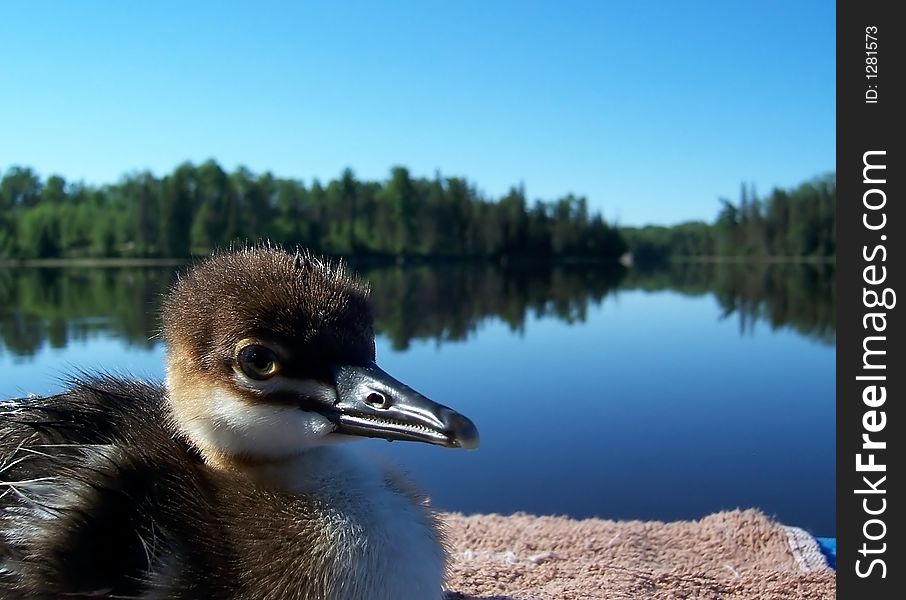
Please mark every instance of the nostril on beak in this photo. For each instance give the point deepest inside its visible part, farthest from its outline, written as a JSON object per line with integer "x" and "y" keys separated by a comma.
{"x": 378, "y": 400}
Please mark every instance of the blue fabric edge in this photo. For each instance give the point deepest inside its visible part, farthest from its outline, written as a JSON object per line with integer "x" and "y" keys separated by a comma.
{"x": 828, "y": 547}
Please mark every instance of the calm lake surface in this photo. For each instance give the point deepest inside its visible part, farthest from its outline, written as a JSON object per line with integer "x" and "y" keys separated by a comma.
{"x": 598, "y": 392}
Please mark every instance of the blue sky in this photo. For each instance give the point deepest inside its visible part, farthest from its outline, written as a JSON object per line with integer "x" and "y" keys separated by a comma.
{"x": 652, "y": 110}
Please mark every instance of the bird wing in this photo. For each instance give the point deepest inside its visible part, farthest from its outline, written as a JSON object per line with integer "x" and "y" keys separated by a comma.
{"x": 86, "y": 479}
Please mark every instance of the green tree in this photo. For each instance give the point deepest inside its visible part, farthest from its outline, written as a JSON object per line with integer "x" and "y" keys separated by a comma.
{"x": 177, "y": 207}
{"x": 39, "y": 232}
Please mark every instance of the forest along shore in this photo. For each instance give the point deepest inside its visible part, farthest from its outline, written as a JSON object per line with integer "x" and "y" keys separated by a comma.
{"x": 196, "y": 209}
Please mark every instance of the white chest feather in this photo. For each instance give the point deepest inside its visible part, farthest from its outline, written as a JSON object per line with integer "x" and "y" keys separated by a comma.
{"x": 386, "y": 546}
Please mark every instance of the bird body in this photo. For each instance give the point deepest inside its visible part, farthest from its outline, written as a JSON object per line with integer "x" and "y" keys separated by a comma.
{"x": 231, "y": 480}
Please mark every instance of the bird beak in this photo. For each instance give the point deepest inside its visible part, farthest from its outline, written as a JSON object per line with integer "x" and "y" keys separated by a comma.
{"x": 371, "y": 403}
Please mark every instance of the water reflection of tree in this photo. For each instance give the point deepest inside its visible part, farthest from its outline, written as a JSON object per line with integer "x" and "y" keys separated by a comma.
{"x": 53, "y": 307}
{"x": 58, "y": 306}
{"x": 799, "y": 295}
{"x": 449, "y": 302}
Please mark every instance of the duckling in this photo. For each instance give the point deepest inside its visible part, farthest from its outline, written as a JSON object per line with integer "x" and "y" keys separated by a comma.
{"x": 230, "y": 480}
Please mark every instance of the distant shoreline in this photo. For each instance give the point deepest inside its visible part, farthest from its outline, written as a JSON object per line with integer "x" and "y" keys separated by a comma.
{"x": 116, "y": 262}
{"x": 93, "y": 262}
{"x": 113, "y": 262}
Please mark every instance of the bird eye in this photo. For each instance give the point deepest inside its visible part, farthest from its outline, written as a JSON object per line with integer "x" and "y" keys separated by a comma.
{"x": 257, "y": 361}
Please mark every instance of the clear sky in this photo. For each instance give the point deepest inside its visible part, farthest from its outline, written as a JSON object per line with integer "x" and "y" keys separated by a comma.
{"x": 652, "y": 110}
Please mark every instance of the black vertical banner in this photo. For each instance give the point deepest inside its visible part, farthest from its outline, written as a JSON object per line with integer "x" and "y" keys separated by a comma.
{"x": 871, "y": 366}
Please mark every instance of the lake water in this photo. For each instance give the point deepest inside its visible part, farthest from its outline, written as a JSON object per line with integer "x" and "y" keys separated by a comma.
{"x": 598, "y": 392}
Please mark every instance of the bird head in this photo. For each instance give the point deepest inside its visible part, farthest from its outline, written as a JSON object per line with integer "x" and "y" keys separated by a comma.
{"x": 271, "y": 353}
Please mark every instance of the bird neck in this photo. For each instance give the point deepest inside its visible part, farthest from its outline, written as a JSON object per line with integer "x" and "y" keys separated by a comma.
{"x": 316, "y": 470}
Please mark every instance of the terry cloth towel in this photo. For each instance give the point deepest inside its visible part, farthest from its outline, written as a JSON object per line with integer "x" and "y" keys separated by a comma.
{"x": 734, "y": 555}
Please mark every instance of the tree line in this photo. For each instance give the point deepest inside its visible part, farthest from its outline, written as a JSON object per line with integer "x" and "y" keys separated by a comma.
{"x": 195, "y": 209}
{"x": 796, "y": 223}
